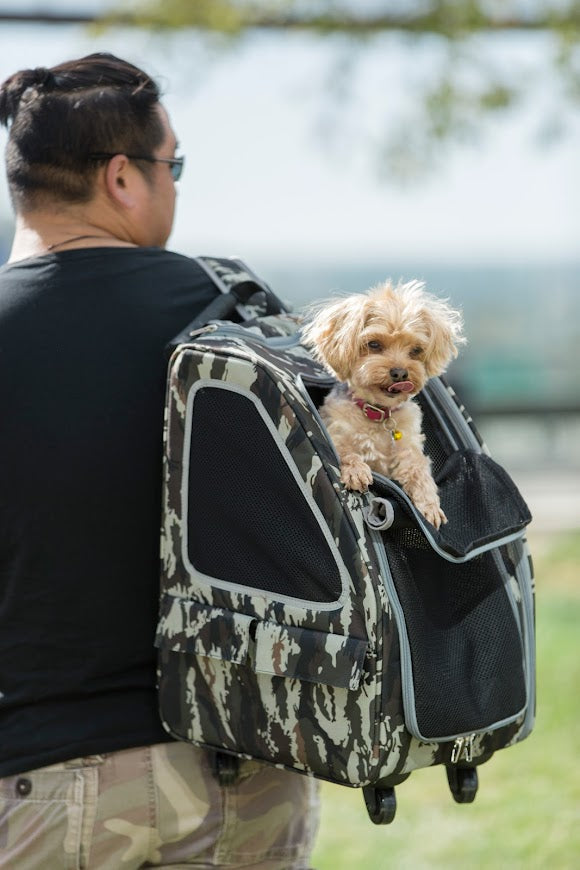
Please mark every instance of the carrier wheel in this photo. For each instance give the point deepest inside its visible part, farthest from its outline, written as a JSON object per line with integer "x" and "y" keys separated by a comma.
{"x": 463, "y": 783}
{"x": 381, "y": 804}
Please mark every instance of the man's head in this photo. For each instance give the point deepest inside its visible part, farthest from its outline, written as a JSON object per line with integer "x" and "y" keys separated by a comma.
{"x": 82, "y": 122}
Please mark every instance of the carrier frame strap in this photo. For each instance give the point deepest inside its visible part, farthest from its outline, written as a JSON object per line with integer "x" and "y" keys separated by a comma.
{"x": 230, "y": 275}
{"x": 243, "y": 296}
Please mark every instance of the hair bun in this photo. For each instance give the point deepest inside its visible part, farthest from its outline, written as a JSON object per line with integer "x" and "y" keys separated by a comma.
{"x": 42, "y": 77}
{"x": 14, "y": 88}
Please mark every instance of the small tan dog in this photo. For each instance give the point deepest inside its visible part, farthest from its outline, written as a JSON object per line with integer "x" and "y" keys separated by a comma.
{"x": 383, "y": 346}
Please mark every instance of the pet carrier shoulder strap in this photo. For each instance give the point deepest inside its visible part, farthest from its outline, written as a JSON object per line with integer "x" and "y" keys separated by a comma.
{"x": 228, "y": 273}
{"x": 243, "y": 296}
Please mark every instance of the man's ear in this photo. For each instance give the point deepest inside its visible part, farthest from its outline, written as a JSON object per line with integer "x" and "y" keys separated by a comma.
{"x": 119, "y": 181}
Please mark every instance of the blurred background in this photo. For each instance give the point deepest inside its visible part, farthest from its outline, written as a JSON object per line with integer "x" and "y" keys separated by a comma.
{"x": 334, "y": 143}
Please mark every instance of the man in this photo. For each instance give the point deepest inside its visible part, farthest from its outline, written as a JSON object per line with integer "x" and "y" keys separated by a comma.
{"x": 88, "y": 300}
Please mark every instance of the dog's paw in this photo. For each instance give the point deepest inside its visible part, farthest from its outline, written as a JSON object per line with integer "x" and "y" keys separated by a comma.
{"x": 433, "y": 513}
{"x": 356, "y": 474}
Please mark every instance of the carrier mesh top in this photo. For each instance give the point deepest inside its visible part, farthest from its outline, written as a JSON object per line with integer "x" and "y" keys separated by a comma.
{"x": 248, "y": 520}
{"x": 480, "y": 500}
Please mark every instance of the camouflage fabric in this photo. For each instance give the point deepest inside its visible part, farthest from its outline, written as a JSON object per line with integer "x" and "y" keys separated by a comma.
{"x": 227, "y": 273}
{"x": 157, "y": 806}
{"x": 284, "y": 651}
{"x": 311, "y": 687}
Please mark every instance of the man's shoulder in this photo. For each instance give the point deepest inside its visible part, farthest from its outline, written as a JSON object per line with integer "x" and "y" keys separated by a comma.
{"x": 160, "y": 261}
{"x": 162, "y": 257}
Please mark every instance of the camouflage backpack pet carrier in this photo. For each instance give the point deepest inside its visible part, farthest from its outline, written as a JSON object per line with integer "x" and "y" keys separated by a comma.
{"x": 318, "y": 629}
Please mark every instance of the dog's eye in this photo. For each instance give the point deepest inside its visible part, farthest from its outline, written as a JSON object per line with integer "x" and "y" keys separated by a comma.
{"x": 374, "y": 345}
{"x": 416, "y": 352}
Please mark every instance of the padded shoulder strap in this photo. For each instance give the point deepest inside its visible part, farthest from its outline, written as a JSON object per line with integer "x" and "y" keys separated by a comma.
{"x": 231, "y": 275}
{"x": 243, "y": 297}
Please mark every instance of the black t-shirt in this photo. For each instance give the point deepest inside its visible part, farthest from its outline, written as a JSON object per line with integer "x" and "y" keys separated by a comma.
{"x": 82, "y": 376}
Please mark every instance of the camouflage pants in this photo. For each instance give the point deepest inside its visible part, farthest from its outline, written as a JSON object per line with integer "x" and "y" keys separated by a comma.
{"x": 155, "y": 806}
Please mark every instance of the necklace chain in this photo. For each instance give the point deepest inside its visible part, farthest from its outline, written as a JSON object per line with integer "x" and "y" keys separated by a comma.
{"x": 73, "y": 239}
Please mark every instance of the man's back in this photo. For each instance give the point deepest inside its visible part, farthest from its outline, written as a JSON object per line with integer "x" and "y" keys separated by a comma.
{"x": 88, "y": 777}
{"x": 82, "y": 367}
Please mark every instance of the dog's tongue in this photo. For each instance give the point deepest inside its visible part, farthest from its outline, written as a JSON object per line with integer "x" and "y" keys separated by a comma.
{"x": 401, "y": 387}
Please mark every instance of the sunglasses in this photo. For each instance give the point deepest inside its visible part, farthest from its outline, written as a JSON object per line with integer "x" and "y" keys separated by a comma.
{"x": 175, "y": 163}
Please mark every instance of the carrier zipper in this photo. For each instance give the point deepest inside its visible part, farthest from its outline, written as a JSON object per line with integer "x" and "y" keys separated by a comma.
{"x": 437, "y": 393}
{"x": 528, "y": 640}
{"x": 211, "y": 327}
{"x": 236, "y": 331}
{"x": 524, "y": 618}
{"x": 407, "y": 686}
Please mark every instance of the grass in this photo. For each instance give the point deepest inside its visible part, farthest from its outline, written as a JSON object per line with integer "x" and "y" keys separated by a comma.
{"x": 527, "y": 811}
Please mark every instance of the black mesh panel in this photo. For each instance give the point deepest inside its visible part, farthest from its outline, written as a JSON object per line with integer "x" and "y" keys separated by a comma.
{"x": 465, "y": 644}
{"x": 248, "y": 521}
{"x": 481, "y": 502}
{"x": 437, "y": 446}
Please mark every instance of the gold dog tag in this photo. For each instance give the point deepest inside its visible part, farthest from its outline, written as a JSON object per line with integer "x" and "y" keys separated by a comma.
{"x": 390, "y": 425}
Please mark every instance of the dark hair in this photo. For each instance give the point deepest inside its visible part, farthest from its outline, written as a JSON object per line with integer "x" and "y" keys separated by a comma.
{"x": 57, "y": 117}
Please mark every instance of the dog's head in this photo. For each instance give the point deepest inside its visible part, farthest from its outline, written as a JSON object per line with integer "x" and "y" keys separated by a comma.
{"x": 386, "y": 343}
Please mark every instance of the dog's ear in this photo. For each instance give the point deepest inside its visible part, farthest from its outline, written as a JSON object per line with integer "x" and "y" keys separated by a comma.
{"x": 334, "y": 332}
{"x": 443, "y": 326}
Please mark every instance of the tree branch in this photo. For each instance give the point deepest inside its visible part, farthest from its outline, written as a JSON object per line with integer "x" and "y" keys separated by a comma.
{"x": 446, "y": 19}
{"x": 17, "y": 17}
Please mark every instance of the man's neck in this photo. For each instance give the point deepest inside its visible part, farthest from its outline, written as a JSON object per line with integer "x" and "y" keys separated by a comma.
{"x": 41, "y": 231}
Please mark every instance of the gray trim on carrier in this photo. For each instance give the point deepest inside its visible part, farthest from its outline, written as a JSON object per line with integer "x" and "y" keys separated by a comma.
{"x": 204, "y": 579}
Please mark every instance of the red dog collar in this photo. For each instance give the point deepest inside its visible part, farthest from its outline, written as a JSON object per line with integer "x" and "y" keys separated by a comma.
{"x": 375, "y": 412}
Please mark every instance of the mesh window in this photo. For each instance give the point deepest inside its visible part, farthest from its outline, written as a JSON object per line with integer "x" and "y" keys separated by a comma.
{"x": 437, "y": 445}
{"x": 466, "y": 648}
{"x": 248, "y": 521}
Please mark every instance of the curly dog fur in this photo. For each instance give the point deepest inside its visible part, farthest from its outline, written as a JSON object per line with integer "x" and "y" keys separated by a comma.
{"x": 383, "y": 346}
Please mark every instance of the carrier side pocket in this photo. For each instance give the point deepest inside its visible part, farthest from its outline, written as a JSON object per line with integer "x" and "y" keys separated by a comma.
{"x": 279, "y": 693}
{"x": 268, "y": 647}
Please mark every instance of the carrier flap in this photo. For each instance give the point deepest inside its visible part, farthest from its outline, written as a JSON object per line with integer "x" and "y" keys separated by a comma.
{"x": 482, "y": 503}
{"x": 288, "y": 651}
{"x": 187, "y": 626}
{"x": 190, "y": 627}
{"x": 484, "y": 508}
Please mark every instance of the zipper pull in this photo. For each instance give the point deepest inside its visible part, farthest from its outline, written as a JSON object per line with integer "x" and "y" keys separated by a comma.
{"x": 468, "y": 748}
{"x": 211, "y": 327}
{"x": 457, "y": 749}
{"x": 463, "y": 747}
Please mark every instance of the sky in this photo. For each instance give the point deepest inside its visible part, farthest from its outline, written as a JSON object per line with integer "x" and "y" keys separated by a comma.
{"x": 270, "y": 175}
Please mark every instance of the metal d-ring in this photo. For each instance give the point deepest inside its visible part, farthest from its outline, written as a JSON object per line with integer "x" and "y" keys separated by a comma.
{"x": 390, "y": 425}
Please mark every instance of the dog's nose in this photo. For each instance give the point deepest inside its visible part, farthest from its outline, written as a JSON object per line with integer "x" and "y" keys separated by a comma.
{"x": 399, "y": 374}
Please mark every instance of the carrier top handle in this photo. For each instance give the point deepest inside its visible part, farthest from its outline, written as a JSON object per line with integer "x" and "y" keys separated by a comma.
{"x": 244, "y": 296}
